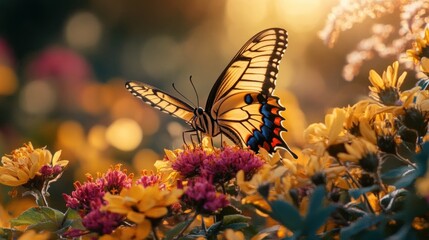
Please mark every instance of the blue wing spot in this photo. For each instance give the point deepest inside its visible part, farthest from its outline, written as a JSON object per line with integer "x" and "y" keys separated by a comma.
{"x": 248, "y": 99}
{"x": 266, "y": 132}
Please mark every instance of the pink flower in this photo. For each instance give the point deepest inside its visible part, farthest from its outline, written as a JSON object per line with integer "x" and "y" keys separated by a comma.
{"x": 102, "y": 222}
{"x": 6, "y": 54}
{"x": 189, "y": 162}
{"x": 85, "y": 197}
{"x": 226, "y": 164}
{"x": 203, "y": 196}
{"x": 149, "y": 179}
{"x": 115, "y": 179}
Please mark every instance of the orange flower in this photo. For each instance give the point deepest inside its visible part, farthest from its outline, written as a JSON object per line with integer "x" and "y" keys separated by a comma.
{"x": 24, "y": 163}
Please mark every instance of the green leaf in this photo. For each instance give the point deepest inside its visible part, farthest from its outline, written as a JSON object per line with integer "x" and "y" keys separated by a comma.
{"x": 236, "y": 218}
{"x": 360, "y": 225}
{"x": 37, "y": 217}
{"x": 176, "y": 230}
{"x": 7, "y": 233}
{"x": 286, "y": 214}
{"x": 316, "y": 200}
{"x": 396, "y": 173}
{"x": 356, "y": 193}
{"x": 72, "y": 219}
{"x": 406, "y": 180}
{"x": 316, "y": 219}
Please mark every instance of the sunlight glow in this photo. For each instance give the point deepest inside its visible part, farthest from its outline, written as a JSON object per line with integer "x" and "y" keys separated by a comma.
{"x": 125, "y": 134}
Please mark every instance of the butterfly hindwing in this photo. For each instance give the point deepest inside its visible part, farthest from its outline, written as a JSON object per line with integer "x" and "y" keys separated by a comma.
{"x": 161, "y": 100}
{"x": 241, "y": 101}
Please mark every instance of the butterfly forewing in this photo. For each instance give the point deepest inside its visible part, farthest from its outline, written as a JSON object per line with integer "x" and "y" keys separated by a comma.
{"x": 161, "y": 100}
{"x": 254, "y": 68}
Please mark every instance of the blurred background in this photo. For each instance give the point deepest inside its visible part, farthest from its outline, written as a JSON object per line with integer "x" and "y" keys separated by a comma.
{"x": 63, "y": 65}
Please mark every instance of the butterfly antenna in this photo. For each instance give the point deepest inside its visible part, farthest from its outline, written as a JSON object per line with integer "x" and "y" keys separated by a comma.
{"x": 189, "y": 101}
{"x": 195, "y": 90}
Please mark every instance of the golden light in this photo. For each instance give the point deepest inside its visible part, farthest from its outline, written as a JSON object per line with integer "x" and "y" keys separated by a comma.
{"x": 91, "y": 100}
{"x": 124, "y": 134}
{"x": 8, "y": 81}
{"x": 70, "y": 135}
{"x": 38, "y": 97}
{"x": 96, "y": 137}
{"x": 161, "y": 50}
{"x": 245, "y": 12}
{"x": 144, "y": 159}
{"x": 83, "y": 30}
{"x": 307, "y": 11}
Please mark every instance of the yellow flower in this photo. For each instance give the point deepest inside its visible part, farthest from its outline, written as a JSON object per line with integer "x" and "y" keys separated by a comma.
{"x": 24, "y": 163}
{"x": 140, "y": 231}
{"x": 363, "y": 152}
{"x": 323, "y": 166}
{"x": 422, "y": 186}
{"x": 140, "y": 204}
{"x": 385, "y": 88}
{"x": 419, "y": 48}
{"x": 320, "y": 136}
{"x": 33, "y": 235}
{"x": 359, "y": 119}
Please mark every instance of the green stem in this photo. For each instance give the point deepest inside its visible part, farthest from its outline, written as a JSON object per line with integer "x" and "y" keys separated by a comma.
{"x": 186, "y": 227}
{"x": 154, "y": 233}
{"x": 358, "y": 185}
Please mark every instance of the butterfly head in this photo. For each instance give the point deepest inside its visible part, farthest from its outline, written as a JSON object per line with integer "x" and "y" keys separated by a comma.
{"x": 199, "y": 111}
{"x": 203, "y": 122}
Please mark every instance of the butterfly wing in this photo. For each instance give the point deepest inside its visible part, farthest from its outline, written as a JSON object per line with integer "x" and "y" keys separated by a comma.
{"x": 161, "y": 100}
{"x": 241, "y": 101}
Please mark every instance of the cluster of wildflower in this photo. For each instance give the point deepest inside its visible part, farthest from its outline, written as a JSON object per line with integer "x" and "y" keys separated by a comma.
{"x": 207, "y": 172}
{"x": 33, "y": 169}
{"x": 88, "y": 198}
{"x": 112, "y": 200}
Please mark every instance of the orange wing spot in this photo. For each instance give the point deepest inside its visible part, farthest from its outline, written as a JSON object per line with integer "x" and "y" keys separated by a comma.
{"x": 274, "y": 111}
{"x": 277, "y": 131}
{"x": 275, "y": 142}
{"x": 277, "y": 121}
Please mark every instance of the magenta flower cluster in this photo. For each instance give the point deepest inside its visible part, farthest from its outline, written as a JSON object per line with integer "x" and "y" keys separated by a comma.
{"x": 219, "y": 166}
{"x": 209, "y": 171}
{"x": 87, "y": 199}
{"x": 203, "y": 196}
{"x": 149, "y": 179}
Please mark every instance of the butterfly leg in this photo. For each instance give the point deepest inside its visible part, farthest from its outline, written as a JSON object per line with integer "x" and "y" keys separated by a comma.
{"x": 192, "y": 133}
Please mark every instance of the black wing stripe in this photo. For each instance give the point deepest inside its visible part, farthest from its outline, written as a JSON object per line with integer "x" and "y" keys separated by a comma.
{"x": 161, "y": 100}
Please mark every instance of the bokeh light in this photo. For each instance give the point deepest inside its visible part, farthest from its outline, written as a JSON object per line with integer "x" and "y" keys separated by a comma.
{"x": 8, "y": 80}
{"x": 307, "y": 11}
{"x": 38, "y": 97}
{"x": 97, "y": 137}
{"x": 124, "y": 134}
{"x": 83, "y": 30}
{"x": 162, "y": 50}
{"x": 145, "y": 158}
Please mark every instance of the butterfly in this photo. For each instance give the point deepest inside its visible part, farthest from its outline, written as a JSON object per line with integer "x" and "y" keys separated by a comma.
{"x": 241, "y": 104}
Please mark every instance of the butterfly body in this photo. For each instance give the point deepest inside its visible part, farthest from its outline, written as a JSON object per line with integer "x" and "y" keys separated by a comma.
{"x": 241, "y": 104}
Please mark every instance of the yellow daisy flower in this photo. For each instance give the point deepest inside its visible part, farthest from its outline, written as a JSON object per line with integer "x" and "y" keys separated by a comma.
{"x": 419, "y": 49}
{"x": 363, "y": 152}
{"x": 33, "y": 235}
{"x": 385, "y": 88}
{"x": 320, "y": 136}
{"x": 140, "y": 204}
{"x": 24, "y": 163}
